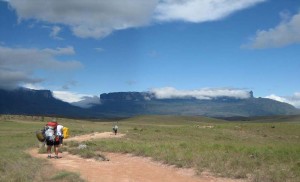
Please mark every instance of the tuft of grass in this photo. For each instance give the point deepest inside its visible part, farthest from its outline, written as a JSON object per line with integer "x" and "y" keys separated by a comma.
{"x": 67, "y": 176}
{"x": 88, "y": 152}
{"x": 85, "y": 153}
{"x": 21, "y": 167}
{"x": 71, "y": 144}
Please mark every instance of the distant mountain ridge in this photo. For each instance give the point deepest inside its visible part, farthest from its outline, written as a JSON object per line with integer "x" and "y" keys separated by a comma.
{"x": 35, "y": 102}
{"x": 126, "y": 104}
{"x": 137, "y": 103}
{"x": 146, "y": 96}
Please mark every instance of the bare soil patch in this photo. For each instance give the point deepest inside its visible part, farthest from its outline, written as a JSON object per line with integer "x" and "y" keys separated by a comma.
{"x": 124, "y": 167}
{"x": 95, "y": 135}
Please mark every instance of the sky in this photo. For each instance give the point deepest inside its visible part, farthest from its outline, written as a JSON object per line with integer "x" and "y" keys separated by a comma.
{"x": 173, "y": 48}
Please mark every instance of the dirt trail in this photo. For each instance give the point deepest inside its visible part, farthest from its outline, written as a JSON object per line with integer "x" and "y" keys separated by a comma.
{"x": 123, "y": 167}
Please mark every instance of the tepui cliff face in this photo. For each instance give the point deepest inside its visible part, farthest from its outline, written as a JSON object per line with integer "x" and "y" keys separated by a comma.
{"x": 124, "y": 104}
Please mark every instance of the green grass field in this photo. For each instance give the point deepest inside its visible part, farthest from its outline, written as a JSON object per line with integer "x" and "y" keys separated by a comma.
{"x": 259, "y": 151}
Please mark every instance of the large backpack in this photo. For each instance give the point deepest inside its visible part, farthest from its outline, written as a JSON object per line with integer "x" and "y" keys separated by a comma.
{"x": 66, "y": 132}
{"x": 50, "y": 131}
{"x": 40, "y": 134}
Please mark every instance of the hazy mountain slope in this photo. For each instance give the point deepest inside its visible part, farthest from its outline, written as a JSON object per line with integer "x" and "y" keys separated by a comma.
{"x": 35, "y": 102}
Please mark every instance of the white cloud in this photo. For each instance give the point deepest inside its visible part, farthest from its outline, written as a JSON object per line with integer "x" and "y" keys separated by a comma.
{"x": 87, "y": 101}
{"x": 206, "y": 93}
{"x": 33, "y": 86}
{"x": 17, "y": 65}
{"x": 81, "y": 100}
{"x": 88, "y": 18}
{"x": 68, "y": 96}
{"x": 100, "y": 18}
{"x": 10, "y": 79}
{"x": 54, "y": 33}
{"x": 286, "y": 33}
{"x": 60, "y": 51}
{"x": 36, "y": 58}
{"x": 293, "y": 100}
{"x": 76, "y": 99}
{"x": 200, "y": 10}
{"x": 277, "y": 98}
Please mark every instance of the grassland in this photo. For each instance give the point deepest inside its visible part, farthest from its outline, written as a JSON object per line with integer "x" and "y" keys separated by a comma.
{"x": 17, "y": 134}
{"x": 259, "y": 151}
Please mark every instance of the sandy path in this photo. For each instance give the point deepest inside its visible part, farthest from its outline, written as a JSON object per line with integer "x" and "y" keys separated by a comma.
{"x": 95, "y": 135}
{"x": 123, "y": 167}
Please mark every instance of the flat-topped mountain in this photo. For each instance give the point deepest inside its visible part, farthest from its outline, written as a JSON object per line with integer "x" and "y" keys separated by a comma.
{"x": 36, "y": 102}
{"x": 138, "y": 103}
{"x": 125, "y": 104}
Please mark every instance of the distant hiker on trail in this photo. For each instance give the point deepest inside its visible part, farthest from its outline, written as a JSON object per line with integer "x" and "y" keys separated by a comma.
{"x": 115, "y": 129}
{"x": 51, "y": 137}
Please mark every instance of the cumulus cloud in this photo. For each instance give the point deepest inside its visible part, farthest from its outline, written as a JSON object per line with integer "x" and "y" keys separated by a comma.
{"x": 286, "y": 33}
{"x": 88, "y": 18}
{"x": 100, "y": 18}
{"x": 206, "y": 93}
{"x": 200, "y": 10}
{"x": 10, "y": 79}
{"x": 17, "y": 65}
{"x": 293, "y": 100}
{"x": 81, "y": 100}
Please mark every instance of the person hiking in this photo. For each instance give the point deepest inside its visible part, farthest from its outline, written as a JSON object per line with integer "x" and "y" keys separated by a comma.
{"x": 115, "y": 129}
{"x": 51, "y": 138}
{"x": 59, "y": 133}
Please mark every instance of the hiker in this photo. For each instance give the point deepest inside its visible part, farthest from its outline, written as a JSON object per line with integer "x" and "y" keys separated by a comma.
{"x": 115, "y": 129}
{"x": 59, "y": 133}
{"x": 51, "y": 138}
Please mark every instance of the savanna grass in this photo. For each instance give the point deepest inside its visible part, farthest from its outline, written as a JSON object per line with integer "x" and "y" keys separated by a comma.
{"x": 17, "y": 135}
{"x": 256, "y": 151}
{"x": 267, "y": 151}
{"x": 67, "y": 176}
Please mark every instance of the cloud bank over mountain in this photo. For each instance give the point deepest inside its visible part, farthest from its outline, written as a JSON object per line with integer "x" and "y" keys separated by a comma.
{"x": 293, "y": 100}
{"x": 205, "y": 93}
{"x": 81, "y": 100}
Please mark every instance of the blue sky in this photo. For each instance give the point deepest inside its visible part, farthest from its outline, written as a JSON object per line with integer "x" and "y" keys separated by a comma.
{"x": 80, "y": 49}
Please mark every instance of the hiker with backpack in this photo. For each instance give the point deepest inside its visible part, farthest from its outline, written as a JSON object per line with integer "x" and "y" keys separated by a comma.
{"x": 115, "y": 129}
{"x": 59, "y": 133}
{"x": 52, "y": 139}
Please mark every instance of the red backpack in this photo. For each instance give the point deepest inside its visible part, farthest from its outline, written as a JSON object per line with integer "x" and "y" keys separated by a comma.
{"x": 50, "y": 131}
{"x": 52, "y": 124}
